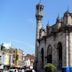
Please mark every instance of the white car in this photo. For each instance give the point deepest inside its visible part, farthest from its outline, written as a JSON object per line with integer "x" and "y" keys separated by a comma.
{"x": 13, "y": 70}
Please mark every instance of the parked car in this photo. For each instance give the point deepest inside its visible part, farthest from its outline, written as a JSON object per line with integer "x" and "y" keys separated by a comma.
{"x": 13, "y": 70}
{"x": 31, "y": 70}
{"x": 28, "y": 71}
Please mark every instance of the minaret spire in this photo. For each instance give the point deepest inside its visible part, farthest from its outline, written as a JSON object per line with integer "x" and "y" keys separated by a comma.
{"x": 39, "y": 16}
{"x": 68, "y": 8}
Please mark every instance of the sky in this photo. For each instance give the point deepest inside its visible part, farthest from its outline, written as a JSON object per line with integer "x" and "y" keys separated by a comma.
{"x": 18, "y": 23}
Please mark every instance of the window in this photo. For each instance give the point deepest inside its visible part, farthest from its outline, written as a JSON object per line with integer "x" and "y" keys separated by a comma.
{"x": 49, "y": 54}
{"x": 42, "y": 57}
{"x": 59, "y": 51}
{"x": 17, "y": 57}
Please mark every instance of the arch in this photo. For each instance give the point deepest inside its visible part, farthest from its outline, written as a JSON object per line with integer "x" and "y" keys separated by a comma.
{"x": 42, "y": 56}
{"x": 59, "y": 52}
{"x": 49, "y": 54}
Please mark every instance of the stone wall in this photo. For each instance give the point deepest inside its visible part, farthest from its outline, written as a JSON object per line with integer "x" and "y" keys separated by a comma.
{"x": 53, "y": 41}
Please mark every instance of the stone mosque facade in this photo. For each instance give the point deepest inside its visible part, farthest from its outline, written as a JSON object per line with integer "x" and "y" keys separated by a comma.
{"x": 53, "y": 44}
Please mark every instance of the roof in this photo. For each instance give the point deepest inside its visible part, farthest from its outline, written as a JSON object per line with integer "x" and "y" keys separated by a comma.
{"x": 29, "y": 56}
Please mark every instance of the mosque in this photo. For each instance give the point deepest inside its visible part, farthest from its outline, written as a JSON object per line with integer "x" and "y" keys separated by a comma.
{"x": 54, "y": 43}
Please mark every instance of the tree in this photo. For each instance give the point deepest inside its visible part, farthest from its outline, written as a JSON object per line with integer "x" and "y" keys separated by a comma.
{"x": 49, "y": 67}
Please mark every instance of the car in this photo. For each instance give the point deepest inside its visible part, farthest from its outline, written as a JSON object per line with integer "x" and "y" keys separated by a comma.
{"x": 13, "y": 70}
{"x": 28, "y": 71}
{"x": 31, "y": 70}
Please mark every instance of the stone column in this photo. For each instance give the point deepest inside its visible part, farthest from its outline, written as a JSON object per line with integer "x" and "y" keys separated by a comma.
{"x": 70, "y": 50}
{"x": 66, "y": 65}
{"x": 67, "y": 46}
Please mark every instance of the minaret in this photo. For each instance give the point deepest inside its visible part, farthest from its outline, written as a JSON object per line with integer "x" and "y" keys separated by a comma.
{"x": 39, "y": 16}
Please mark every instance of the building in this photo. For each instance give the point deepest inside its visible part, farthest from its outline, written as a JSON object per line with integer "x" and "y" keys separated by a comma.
{"x": 53, "y": 44}
{"x": 19, "y": 58}
{"x": 13, "y": 59}
{"x": 1, "y": 60}
{"x": 6, "y": 57}
{"x": 29, "y": 60}
{"x": 10, "y": 58}
{"x": 23, "y": 62}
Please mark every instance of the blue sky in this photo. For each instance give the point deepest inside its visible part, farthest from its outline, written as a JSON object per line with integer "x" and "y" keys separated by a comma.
{"x": 17, "y": 20}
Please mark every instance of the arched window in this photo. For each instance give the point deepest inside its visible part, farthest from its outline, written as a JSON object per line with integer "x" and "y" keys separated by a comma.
{"x": 59, "y": 51}
{"x": 49, "y": 54}
{"x": 42, "y": 56}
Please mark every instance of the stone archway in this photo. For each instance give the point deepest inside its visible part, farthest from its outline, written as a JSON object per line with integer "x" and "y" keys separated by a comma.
{"x": 42, "y": 57}
{"x": 49, "y": 54}
{"x": 59, "y": 52}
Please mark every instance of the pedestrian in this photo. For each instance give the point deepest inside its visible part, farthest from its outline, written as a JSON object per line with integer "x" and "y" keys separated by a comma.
{"x": 33, "y": 70}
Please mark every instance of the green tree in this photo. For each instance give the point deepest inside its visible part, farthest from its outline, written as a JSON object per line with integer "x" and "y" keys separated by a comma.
{"x": 49, "y": 67}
